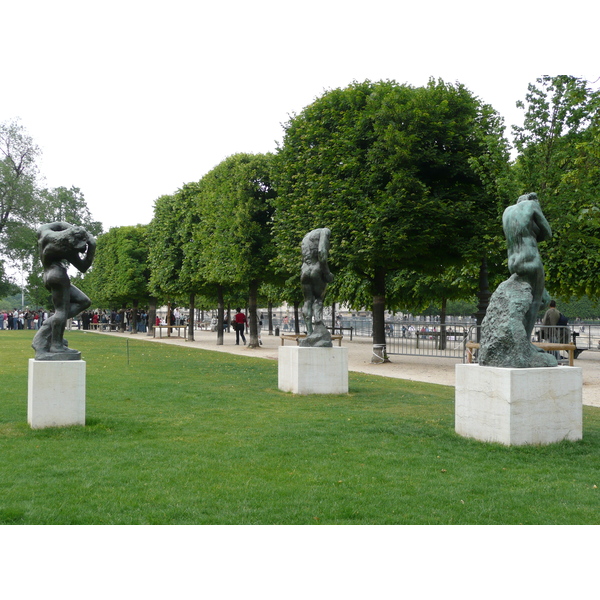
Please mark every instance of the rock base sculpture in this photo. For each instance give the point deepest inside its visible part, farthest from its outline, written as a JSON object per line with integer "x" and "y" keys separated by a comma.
{"x": 504, "y": 341}
{"x": 319, "y": 338}
{"x": 43, "y": 342}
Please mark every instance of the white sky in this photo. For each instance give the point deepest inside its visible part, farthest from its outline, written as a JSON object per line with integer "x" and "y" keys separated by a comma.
{"x": 130, "y": 99}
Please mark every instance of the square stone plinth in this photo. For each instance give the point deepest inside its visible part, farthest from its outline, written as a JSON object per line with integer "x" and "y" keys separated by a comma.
{"x": 313, "y": 370}
{"x": 56, "y": 393}
{"x": 519, "y": 406}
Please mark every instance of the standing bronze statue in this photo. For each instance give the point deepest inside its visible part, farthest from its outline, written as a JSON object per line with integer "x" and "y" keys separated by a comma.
{"x": 314, "y": 277}
{"x": 507, "y": 328}
{"x": 61, "y": 244}
{"x": 524, "y": 226}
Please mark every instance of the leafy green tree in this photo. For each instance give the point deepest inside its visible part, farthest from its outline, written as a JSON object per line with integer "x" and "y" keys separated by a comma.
{"x": 232, "y": 243}
{"x": 559, "y": 157}
{"x": 406, "y": 179}
{"x": 18, "y": 197}
{"x": 169, "y": 231}
{"x": 69, "y": 205}
{"x": 7, "y": 287}
{"x": 18, "y": 172}
{"x": 120, "y": 273}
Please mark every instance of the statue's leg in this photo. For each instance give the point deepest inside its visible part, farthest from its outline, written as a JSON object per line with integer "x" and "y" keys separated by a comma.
{"x": 60, "y": 298}
{"x": 319, "y": 286}
{"x": 42, "y": 339}
{"x": 78, "y": 302}
{"x": 307, "y": 308}
{"x": 318, "y": 310}
{"x": 532, "y": 273}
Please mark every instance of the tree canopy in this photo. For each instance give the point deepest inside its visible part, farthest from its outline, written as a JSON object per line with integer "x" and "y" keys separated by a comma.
{"x": 120, "y": 273}
{"x": 231, "y": 244}
{"x": 405, "y": 178}
{"x": 559, "y": 158}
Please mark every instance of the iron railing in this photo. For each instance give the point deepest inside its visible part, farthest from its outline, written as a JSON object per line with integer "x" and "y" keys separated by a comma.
{"x": 419, "y": 339}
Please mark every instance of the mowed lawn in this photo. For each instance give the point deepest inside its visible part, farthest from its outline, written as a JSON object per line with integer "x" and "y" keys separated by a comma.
{"x": 176, "y": 435}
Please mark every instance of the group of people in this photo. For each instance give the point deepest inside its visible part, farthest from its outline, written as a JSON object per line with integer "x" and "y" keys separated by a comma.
{"x": 89, "y": 318}
{"x": 22, "y": 319}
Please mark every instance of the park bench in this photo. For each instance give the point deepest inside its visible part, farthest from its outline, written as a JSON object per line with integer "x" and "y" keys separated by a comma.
{"x": 179, "y": 328}
{"x": 549, "y": 347}
{"x": 298, "y": 336}
{"x": 342, "y": 329}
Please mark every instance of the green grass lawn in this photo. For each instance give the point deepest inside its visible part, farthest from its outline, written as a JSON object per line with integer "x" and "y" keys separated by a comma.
{"x": 180, "y": 435}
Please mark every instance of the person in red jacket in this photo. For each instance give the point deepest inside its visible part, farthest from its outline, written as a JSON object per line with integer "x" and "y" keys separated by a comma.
{"x": 240, "y": 326}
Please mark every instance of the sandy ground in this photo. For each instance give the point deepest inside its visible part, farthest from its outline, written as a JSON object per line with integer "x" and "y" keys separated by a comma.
{"x": 414, "y": 368}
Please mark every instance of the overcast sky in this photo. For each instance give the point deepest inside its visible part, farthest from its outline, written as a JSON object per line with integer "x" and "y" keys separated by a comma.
{"x": 129, "y": 100}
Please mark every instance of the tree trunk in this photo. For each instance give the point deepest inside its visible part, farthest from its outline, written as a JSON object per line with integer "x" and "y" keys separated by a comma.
{"x": 192, "y": 311}
{"x": 270, "y": 307}
{"x": 134, "y": 316}
{"x": 122, "y": 323}
{"x": 296, "y": 319}
{"x": 151, "y": 316}
{"x": 220, "y": 312}
{"x": 443, "y": 325}
{"x": 333, "y": 318}
{"x": 252, "y": 314}
{"x": 379, "y": 344}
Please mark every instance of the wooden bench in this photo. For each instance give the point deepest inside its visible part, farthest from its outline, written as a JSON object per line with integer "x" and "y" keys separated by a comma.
{"x": 167, "y": 327}
{"x": 298, "y": 336}
{"x": 549, "y": 347}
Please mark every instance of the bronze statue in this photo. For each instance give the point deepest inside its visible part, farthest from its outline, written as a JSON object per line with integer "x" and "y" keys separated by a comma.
{"x": 524, "y": 226}
{"x": 514, "y": 306}
{"x": 61, "y": 244}
{"x": 314, "y": 277}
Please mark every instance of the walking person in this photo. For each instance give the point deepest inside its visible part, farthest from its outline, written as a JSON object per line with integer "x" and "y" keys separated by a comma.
{"x": 240, "y": 326}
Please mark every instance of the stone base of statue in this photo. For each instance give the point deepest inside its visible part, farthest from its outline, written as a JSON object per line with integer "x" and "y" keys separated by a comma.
{"x": 313, "y": 370}
{"x": 519, "y": 406}
{"x": 56, "y": 393}
{"x": 319, "y": 338}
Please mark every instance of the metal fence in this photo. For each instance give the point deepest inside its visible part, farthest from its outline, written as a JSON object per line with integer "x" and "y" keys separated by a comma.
{"x": 449, "y": 341}
{"x": 419, "y": 339}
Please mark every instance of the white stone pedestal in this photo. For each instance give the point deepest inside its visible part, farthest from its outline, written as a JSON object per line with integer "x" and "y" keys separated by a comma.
{"x": 519, "y": 406}
{"x": 56, "y": 393}
{"x": 313, "y": 370}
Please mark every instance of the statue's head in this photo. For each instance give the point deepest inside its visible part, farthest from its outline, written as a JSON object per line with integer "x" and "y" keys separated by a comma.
{"x": 79, "y": 238}
{"x": 531, "y": 197}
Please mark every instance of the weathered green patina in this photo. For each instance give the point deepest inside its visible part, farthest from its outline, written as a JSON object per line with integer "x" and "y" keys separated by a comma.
{"x": 514, "y": 306}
